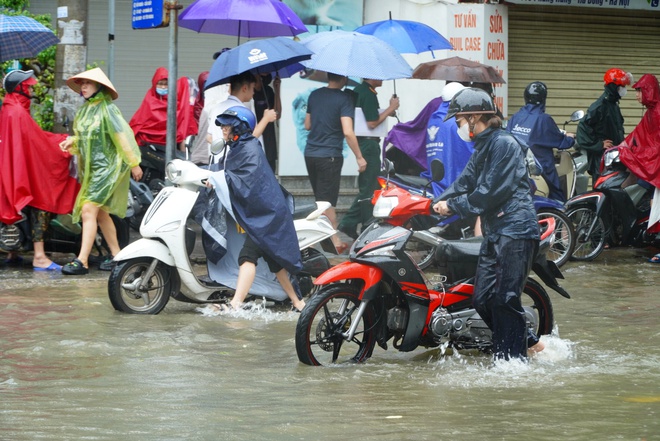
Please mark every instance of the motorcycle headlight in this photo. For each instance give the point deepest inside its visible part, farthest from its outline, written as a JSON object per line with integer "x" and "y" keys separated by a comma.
{"x": 384, "y": 206}
{"x": 611, "y": 157}
{"x": 172, "y": 172}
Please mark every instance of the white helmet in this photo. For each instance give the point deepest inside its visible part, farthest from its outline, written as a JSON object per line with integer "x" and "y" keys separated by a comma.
{"x": 450, "y": 90}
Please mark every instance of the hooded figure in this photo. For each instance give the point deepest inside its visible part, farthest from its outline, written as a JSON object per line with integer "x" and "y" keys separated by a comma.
{"x": 149, "y": 123}
{"x": 443, "y": 142}
{"x": 537, "y": 130}
{"x": 34, "y": 170}
{"x": 640, "y": 151}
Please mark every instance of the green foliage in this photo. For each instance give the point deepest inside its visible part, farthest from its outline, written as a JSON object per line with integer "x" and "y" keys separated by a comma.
{"x": 43, "y": 65}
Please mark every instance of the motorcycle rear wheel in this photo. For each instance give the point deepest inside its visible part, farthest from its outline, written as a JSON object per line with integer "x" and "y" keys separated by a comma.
{"x": 564, "y": 244}
{"x": 125, "y": 295}
{"x": 327, "y": 315}
{"x": 587, "y": 247}
{"x": 421, "y": 252}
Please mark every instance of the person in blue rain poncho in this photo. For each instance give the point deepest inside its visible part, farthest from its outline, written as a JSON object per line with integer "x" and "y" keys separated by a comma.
{"x": 537, "y": 130}
{"x": 259, "y": 207}
{"x": 443, "y": 143}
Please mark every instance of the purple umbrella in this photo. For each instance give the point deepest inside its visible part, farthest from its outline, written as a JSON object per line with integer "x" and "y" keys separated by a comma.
{"x": 243, "y": 18}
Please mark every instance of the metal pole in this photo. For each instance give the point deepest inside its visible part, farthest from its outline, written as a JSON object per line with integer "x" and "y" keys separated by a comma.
{"x": 111, "y": 40}
{"x": 171, "y": 146}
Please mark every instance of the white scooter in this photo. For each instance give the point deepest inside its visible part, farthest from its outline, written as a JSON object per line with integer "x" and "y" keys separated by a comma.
{"x": 156, "y": 267}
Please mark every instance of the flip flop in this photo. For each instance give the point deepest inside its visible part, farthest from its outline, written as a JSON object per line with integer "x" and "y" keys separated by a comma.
{"x": 52, "y": 267}
{"x": 18, "y": 260}
{"x": 655, "y": 259}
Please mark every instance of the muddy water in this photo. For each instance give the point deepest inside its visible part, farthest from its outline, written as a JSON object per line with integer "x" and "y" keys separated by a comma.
{"x": 72, "y": 368}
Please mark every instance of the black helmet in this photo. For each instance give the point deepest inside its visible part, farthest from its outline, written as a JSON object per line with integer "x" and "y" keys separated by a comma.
{"x": 536, "y": 93}
{"x": 16, "y": 77}
{"x": 470, "y": 101}
{"x": 239, "y": 117}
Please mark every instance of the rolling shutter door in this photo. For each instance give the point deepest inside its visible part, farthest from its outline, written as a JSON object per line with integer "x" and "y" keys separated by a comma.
{"x": 570, "y": 48}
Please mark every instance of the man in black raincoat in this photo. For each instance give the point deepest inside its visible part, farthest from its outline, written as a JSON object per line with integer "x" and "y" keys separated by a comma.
{"x": 602, "y": 127}
{"x": 494, "y": 185}
{"x": 259, "y": 207}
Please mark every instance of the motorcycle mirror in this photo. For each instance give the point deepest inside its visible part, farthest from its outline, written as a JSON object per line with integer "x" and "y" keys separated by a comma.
{"x": 217, "y": 147}
{"x": 577, "y": 115}
{"x": 437, "y": 170}
{"x": 388, "y": 167}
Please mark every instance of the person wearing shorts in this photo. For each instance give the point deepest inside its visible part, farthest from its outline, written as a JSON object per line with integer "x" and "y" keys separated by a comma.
{"x": 329, "y": 119}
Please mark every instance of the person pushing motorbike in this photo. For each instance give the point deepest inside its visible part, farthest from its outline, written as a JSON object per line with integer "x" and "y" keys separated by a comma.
{"x": 494, "y": 185}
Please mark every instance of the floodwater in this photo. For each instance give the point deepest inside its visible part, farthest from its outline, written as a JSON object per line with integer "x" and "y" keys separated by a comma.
{"x": 72, "y": 368}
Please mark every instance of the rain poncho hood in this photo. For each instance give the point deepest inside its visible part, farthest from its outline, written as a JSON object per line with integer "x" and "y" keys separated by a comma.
{"x": 259, "y": 203}
{"x": 443, "y": 143}
{"x": 149, "y": 123}
{"x": 34, "y": 170}
{"x": 494, "y": 185}
{"x": 410, "y": 137}
{"x": 107, "y": 151}
{"x": 640, "y": 151}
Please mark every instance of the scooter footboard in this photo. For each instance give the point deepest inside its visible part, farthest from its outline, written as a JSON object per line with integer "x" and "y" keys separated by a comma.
{"x": 146, "y": 248}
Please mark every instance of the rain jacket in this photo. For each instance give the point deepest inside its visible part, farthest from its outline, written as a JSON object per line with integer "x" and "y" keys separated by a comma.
{"x": 443, "y": 143}
{"x": 537, "y": 130}
{"x": 259, "y": 204}
{"x": 494, "y": 185}
{"x": 410, "y": 137}
{"x": 34, "y": 170}
{"x": 107, "y": 151}
{"x": 603, "y": 121}
{"x": 149, "y": 123}
{"x": 640, "y": 151}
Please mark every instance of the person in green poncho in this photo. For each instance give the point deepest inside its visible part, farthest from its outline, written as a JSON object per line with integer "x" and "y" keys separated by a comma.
{"x": 107, "y": 154}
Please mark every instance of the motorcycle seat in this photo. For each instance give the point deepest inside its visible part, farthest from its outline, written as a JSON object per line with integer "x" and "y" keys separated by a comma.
{"x": 459, "y": 250}
{"x": 415, "y": 181}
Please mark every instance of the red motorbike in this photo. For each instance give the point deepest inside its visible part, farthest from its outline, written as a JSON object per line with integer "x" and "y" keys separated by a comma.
{"x": 381, "y": 294}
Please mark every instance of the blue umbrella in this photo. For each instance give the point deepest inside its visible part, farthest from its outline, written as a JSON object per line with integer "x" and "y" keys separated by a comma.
{"x": 256, "y": 56}
{"x": 353, "y": 54}
{"x": 408, "y": 37}
{"x": 23, "y": 37}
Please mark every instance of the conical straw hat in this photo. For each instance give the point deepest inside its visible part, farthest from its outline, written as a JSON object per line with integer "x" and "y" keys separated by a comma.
{"x": 95, "y": 74}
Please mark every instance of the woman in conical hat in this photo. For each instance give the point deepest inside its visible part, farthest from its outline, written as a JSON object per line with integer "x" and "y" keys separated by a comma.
{"x": 107, "y": 156}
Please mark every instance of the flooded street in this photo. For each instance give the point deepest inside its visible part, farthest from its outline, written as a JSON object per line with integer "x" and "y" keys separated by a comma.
{"x": 72, "y": 368}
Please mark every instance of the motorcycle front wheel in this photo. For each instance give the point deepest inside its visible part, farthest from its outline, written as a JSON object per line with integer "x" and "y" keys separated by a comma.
{"x": 325, "y": 321}
{"x": 124, "y": 287}
{"x": 587, "y": 246}
{"x": 564, "y": 243}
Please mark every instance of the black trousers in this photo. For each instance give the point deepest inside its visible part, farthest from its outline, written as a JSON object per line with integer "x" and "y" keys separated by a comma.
{"x": 504, "y": 264}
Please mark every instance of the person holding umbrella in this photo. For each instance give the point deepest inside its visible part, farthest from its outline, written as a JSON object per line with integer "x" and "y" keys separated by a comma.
{"x": 366, "y": 98}
{"x": 329, "y": 119}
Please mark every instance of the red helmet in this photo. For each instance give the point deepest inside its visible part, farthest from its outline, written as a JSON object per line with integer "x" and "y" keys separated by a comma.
{"x": 618, "y": 77}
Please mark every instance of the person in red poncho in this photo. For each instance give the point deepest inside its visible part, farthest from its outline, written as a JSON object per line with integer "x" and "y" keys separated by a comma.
{"x": 640, "y": 151}
{"x": 149, "y": 123}
{"x": 34, "y": 172}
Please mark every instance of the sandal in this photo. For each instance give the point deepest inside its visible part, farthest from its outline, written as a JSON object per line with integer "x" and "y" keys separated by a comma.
{"x": 107, "y": 264}
{"x": 74, "y": 268}
{"x": 655, "y": 259}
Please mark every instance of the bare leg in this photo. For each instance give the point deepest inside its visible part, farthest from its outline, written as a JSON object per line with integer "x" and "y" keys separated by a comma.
{"x": 246, "y": 274}
{"x": 283, "y": 278}
{"x": 40, "y": 260}
{"x": 89, "y": 228}
{"x": 477, "y": 227}
{"x": 109, "y": 231}
{"x": 331, "y": 213}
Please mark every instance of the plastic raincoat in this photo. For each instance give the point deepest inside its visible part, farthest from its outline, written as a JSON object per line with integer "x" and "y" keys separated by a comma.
{"x": 149, "y": 123}
{"x": 640, "y": 151}
{"x": 34, "y": 170}
{"x": 106, "y": 152}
